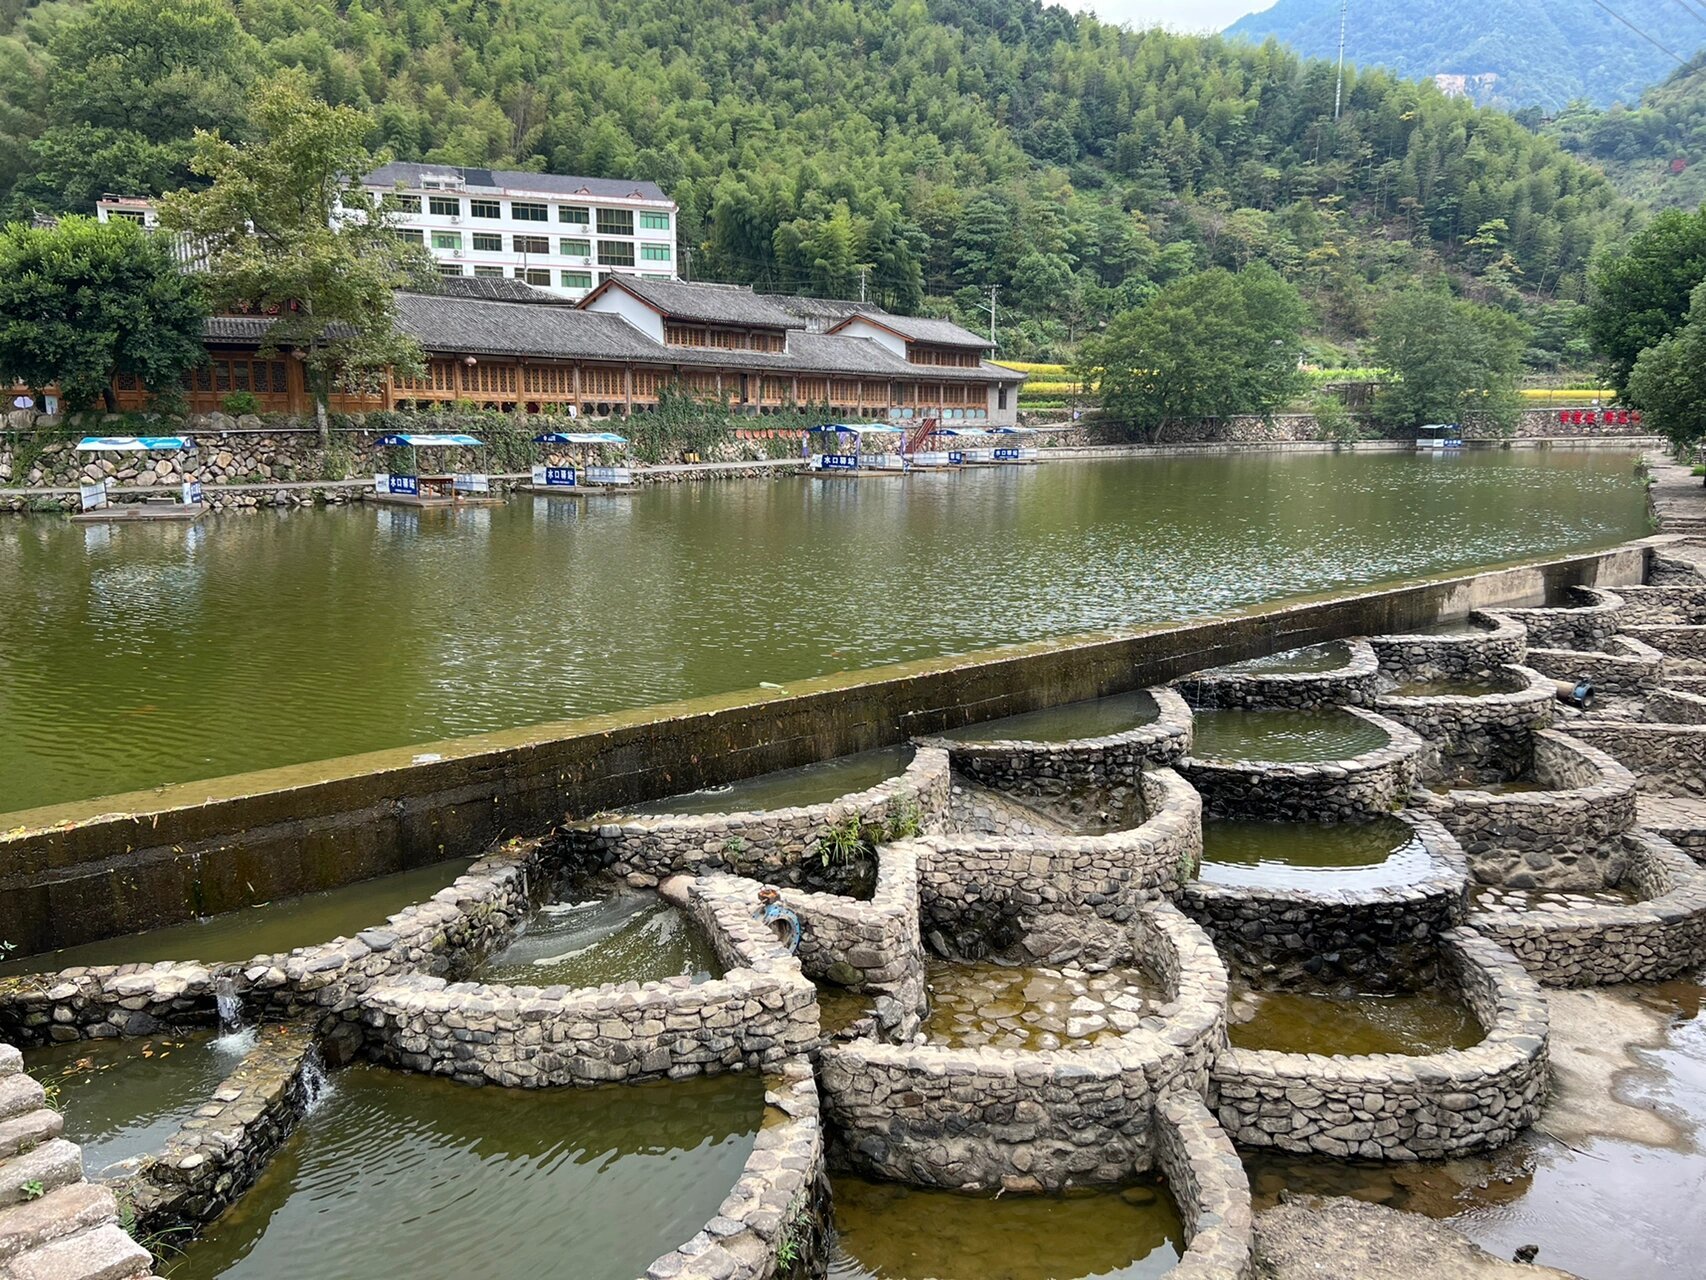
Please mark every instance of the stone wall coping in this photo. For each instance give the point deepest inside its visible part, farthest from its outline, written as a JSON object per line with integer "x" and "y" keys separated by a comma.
{"x": 1681, "y": 898}
{"x": 1499, "y": 626}
{"x": 1516, "y": 1037}
{"x": 1173, "y": 806}
{"x": 1534, "y": 689}
{"x": 1219, "y": 1225}
{"x": 1362, "y": 663}
{"x": 1171, "y": 727}
{"x": 782, "y": 1175}
{"x": 1591, "y": 600}
{"x": 1447, "y": 875}
{"x": 1402, "y": 744}
{"x": 925, "y": 766}
{"x": 1625, "y": 647}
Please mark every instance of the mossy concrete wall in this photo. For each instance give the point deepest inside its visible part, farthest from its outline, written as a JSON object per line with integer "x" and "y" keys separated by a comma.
{"x": 73, "y": 873}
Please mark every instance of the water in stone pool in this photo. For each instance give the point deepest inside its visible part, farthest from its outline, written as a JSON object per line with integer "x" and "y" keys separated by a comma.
{"x": 402, "y": 1175}
{"x": 890, "y": 1232}
{"x": 1309, "y": 660}
{"x": 1018, "y": 1007}
{"x": 788, "y": 788}
{"x": 626, "y": 936}
{"x": 265, "y": 929}
{"x": 123, "y": 1098}
{"x": 1296, "y": 1022}
{"x": 1093, "y": 718}
{"x": 461, "y": 622}
{"x": 1345, "y": 855}
{"x": 1295, "y": 737}
{"x": 1442, "y": 687}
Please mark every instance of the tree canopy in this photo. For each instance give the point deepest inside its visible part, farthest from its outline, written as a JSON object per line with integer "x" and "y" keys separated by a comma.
{"x": 83, "y": 301}
{"x": 1668, "y": 381}
{"x": 1642, "y": 289}
{"x": 1455, "y": 361}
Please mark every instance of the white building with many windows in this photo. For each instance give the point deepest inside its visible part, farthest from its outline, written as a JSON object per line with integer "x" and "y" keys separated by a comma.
{"x": 565, "y": 234}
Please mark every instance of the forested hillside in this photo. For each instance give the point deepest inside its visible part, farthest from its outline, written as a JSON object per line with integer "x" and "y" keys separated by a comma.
{"x": 1544, "y": 53}
{"x": 1654, "y": 152}
{"x": 952, "y": 145}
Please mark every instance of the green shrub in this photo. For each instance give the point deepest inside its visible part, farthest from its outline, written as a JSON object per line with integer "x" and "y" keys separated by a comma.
{"x": 240, "y": 402}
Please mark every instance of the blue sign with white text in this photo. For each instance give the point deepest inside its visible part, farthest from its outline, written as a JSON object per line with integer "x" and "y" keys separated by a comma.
{"x": 840, "y": 462}
{"x": 956, "y": 457}
{"x": 1007, "y": 455}
{"x": 410, "y": 485}
{"x": 560, "y": 475}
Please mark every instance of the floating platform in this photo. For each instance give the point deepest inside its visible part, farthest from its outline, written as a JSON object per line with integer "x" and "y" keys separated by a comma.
{"x": 129, "y": 513}
{"x": 415, "y": 500}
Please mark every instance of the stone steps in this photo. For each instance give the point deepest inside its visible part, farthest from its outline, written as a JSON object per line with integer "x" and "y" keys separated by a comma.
{"x": 20, "y": 1093}
{"x": 65, "y": 1212}
{"x": 104, "y": 1253}
{"x": 21, "y": 1134}
{"x": 55, "y": 1163}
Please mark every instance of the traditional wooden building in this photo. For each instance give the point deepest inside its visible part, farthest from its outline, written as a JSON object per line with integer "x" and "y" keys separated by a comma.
{"x": 502, "y": 345}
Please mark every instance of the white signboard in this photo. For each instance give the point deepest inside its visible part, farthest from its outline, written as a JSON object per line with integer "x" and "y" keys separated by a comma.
{"x": 930, "y": 459}
{"x": 94, "y": 495}
{"x": 192, "y": 492}
{"x": 610, "y": 475}
{"x": 476, "y": 483}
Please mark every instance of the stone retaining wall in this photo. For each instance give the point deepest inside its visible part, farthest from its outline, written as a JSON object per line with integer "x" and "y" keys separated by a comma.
{"x": 1354, "y": 684}
{"x": 1425, "y": 657}
{"x": 1559, "y": 838}
{"x": 1667, "y": 759}
{"x": 1006, "y": 1119}
{"x": 975, "y": 882}
{"x": 1488, "y": 736}
{"x": 1678, "y": 605}
{"x": 1677, "y": 640}
{"x": 1379, "y": 939}
{"x": 219, "y": 1152}
{"x": 1209, "y": 1187}
{"x": 1628, "y": 667}
{"x": 1375, "y": 782}
{"x": 1669, "y": 705}
{"x": 1436, "y": 1106}
{"x": 1587, "y": 622}
{"x": 762, "y": 1012}
{"x": 654, "y": 847}
{"x": 1659, "y": 936}
{"x": 782, "y": 1187}
{"x": 1056, "y": 771}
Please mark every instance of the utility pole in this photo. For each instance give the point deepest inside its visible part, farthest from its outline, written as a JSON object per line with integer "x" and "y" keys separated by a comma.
{"x": 864, "y": 270}
{"x": 1339, "y": 92}
{"x": 992, "y": 315}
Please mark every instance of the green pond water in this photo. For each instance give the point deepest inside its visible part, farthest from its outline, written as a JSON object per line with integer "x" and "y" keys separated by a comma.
{"x": 270, "y": 638}
{"x": 402, "y": 1175}
{"x": 1291, "y": 737}
{"x": 788, "y": 788}
{"x": 266, "y": 929}
{"x": 626, "y": 937}
{"x": 1092, "y": 718}
{"x": 1296, "y": 1022}
{"x": 890, "y": 1232}
{"x": 123, "y": 1098}
{"x": 1309, "y": 660}
{"x": 1286, "y": 855}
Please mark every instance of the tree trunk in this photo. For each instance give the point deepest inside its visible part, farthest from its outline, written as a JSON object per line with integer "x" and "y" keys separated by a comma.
{"x": 108, "y": 399}
{"x": 321, "y": 420}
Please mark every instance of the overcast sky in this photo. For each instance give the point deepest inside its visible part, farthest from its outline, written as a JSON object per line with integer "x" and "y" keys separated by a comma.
{"x": 1180, "y": 15}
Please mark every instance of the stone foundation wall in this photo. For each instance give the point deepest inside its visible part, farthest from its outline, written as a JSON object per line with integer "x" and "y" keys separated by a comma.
{"x": 762, "y": 1012}
{"x": 1209, "y": 1187}
{"x": 1489, "y": 736}
{"x": 1591, "y": 618}
{"x": 655, "y": 847}
{"x": 1058, "y": 771}
{"x": 1627, "y": 667}
{"x": 1561, "y": 838}
{"x": 1667, "y": 759}
{"x": 1397, "y": 1107}
{"x": 1675, "y": 639}
{"x": 1375, "y": 782}
{"x": 1354, "y": 684}
{"x": 1425, "y": 657}
{"x": 1676, "y": 706}
{"x": 1659, "y": 936}
{"x": 1383, "y": 939}
{"x": 217, "y": 1155}
{"x": 1678, "y": 605}
{"x": 782, "y": 1187}
{"x": 971, "y": 881}
{"x": 1004, "y": 1119}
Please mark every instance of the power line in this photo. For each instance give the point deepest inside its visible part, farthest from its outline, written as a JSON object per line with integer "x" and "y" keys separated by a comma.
{"x": 1681, "y": 62}
{"x": 1692, "y": 11}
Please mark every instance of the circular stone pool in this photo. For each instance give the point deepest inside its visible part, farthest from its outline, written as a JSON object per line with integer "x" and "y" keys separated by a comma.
{"x": 1309, "y": 660}
{"x": 1288, "y": 737}
{"x": 885, "y": 1231}
{"x": 623, "y": 937}
{"x": 988, "y": 1005}
{"x": 1071, "y": 722}
{"x": 1309, "y": 855}
{"x": 1344, "y": 1024}
{"x": 809, "y": 784}
{"x": 403, "y": 1175}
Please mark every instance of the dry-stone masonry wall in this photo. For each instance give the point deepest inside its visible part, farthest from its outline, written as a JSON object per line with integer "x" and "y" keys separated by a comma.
{"x": 1626, "y": 668}
{"x": 652, "y": 847}
{"x": 1590, "y": 619}
{"x": 1557, "y": 838}
{"x": 1372, "y": 783}
{"x": 1397, "y": 1107}
{"x": 1373, "y": 939}
{"x": 1497, "y": 641}
{"x": 1354, "y": 684}
{"x": 1488, "y": 736}
{"x": 1213, "y": 1196}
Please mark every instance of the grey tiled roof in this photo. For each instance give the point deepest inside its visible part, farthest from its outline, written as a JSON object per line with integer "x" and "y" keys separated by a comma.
{"x": 409, "y": 174}
{"x": 709, "y": 303}
{"x": 820, "y": 314}
{"x": 494, "y": 289}
{"x": 235, "y": 328}
{"x": 939, "y": 333}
